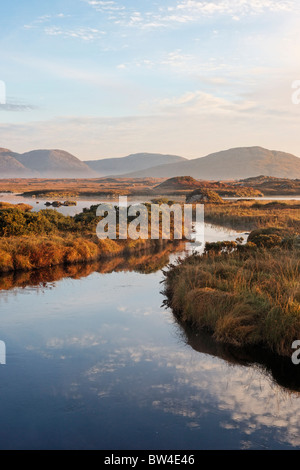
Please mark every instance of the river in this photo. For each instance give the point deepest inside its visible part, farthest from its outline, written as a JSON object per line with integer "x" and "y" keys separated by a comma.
{"x": 94, "y": 361}
{"x": 85, "y": 202}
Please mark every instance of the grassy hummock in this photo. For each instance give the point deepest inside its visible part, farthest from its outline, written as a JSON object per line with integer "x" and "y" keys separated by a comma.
{"x": 243, "y": 294}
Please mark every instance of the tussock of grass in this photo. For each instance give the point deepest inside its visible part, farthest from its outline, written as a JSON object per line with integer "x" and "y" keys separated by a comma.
{"x": 243, "y": 298}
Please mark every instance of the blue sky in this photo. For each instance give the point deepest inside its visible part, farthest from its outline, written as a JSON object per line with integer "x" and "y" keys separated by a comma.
{"x": 107, "y": 78}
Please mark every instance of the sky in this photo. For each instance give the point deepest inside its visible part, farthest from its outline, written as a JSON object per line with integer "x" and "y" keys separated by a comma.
{"x": 107, "y": 78}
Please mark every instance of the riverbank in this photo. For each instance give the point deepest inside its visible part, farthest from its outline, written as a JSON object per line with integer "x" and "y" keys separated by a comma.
{"x": 36, "y": 240}
{"x": 144, "y": 261}
{"x": 27, "y": 253}
{"x": 244, "y": 296}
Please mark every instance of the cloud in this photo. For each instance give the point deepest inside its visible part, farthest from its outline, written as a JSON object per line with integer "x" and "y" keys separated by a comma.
{"x": 191, "y": 11}
{"x": 246, "y": 400}
{"x": 17, "y": 107}
{"x": 199, "y": 102}
{"x": 184, "y": 125}
{"x": 86, "y": 34}
{"x": 108, "y": 6}
{"x": 44, "y": 19}
{"x": 232, "y": 7}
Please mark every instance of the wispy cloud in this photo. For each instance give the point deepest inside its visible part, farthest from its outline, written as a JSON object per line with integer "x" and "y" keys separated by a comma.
{"x": 190, "y": 11}
{"x": 186, "y": 125}
{"x": 44, "y": 19}
{"x": 232, "y": 7}
{"x": 85, "y": 34}
{"x": 109, "y": 6}
{"x": 14, "y": 106}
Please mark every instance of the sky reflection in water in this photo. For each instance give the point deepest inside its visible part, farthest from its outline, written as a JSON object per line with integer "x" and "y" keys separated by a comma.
{"x": 97, "y": 363}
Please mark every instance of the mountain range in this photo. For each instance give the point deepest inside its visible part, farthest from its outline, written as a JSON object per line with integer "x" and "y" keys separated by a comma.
{"x": 132, "y": 163}
{"x": 232, "y": 164}
{"x": 61, "y": 164}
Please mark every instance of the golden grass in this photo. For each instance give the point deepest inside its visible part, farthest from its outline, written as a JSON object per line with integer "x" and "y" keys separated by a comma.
{"x": 242, "y": 298}
{"x": 144, "y": 261}
{"x": 26, "y": 253}
{"x": 249, "y": 215}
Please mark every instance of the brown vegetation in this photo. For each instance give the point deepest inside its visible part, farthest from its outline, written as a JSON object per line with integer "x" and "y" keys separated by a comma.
{"x": 273, "y": 186}
{"x": 144, "y": 261}
{"x": 246, "y": 296}
{"x": 249, "y": 215}
{"x": 35, "y": 240}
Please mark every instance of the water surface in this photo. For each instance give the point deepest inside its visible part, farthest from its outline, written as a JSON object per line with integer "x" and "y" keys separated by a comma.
{"x": 95, "y": 362}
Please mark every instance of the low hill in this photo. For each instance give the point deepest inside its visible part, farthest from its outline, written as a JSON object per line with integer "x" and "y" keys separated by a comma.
{"x": 272, "y": 186}
{"x": 178, "y": 183}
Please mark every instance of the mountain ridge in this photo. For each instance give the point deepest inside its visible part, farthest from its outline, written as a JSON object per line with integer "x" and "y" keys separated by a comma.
{"x": 137, "y": 161}
{"x": 232, "y": 164}
{"x": 235, "y": 163}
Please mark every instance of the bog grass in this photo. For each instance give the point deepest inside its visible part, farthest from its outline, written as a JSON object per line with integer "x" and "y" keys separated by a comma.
{"x": 247, "y": 297}
{"x": 250, "y": 215}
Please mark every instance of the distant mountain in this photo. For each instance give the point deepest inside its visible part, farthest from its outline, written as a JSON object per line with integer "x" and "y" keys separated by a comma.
{"x": 237, "y": 163}
{"x": 10, "y": 167}
{"x": 233, "y": 164}
{"x": 55, "y": 164}
{"x": 134, "y": 162}
{"x": 42, "y": 164}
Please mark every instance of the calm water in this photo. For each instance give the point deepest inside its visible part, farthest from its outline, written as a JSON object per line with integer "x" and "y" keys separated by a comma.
{"x": 95, "y": 362}
{"x": 39, "y": 203}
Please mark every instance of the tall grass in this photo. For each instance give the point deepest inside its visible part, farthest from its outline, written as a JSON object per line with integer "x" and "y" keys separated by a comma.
{"x": 26, "y": 253}
{"x": 249, "y": 215}
{"x": 243, "y": 298}
{"x": 143, "y": 261}
{"x": 35, "y": 240}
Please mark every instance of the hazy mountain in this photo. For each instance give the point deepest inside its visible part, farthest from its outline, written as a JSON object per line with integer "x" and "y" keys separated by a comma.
{"x": 55, "y": 164}
{"x": 10, "y": 167}
{"x": 235, "y": 163}
{"x": 135, "y": 162}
